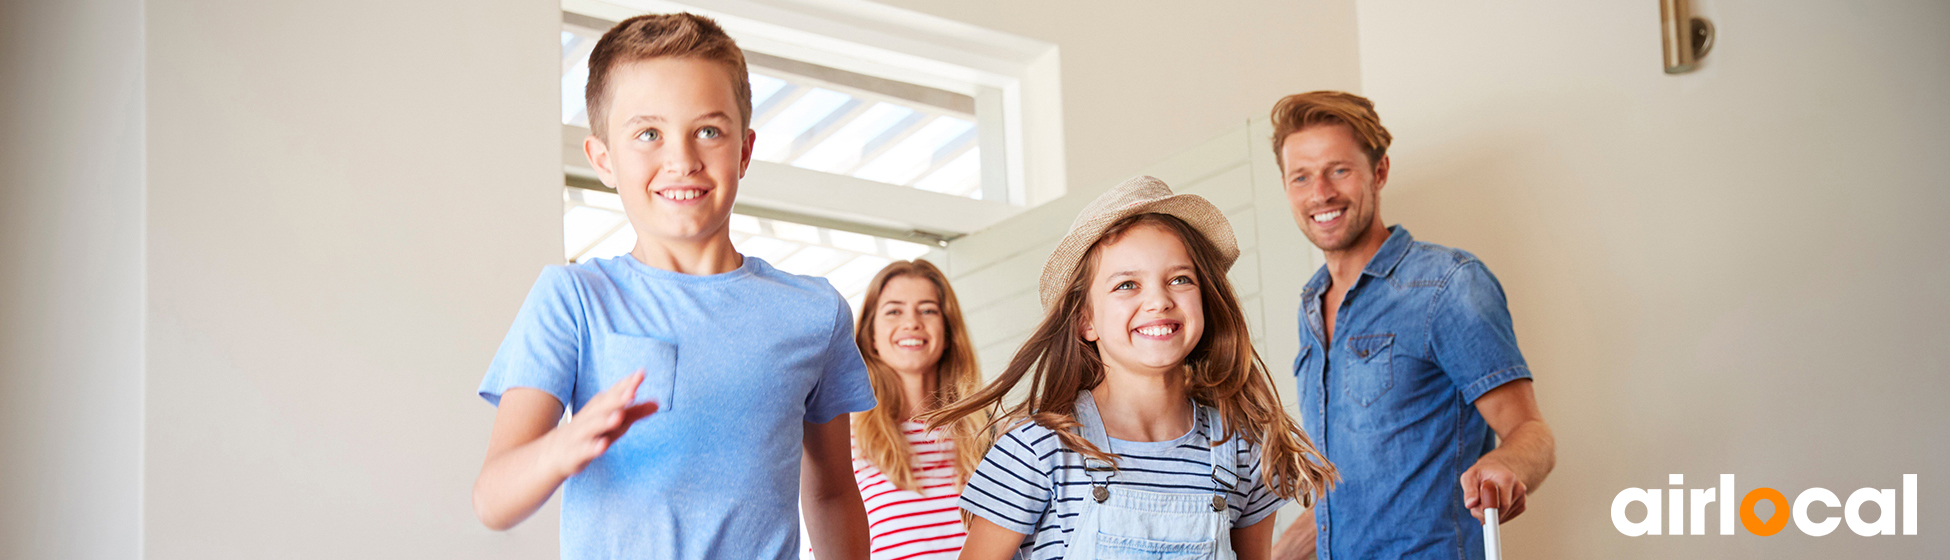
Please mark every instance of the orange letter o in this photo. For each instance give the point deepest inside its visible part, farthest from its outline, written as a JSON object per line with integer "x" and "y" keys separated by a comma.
{"x": 1774, "y": 523}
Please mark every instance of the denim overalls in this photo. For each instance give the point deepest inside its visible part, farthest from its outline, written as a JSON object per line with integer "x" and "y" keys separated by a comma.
{"x": 1124, "y": 523}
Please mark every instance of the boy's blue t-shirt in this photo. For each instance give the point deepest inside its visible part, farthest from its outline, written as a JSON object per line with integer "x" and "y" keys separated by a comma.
{"x": 737, "y": 362}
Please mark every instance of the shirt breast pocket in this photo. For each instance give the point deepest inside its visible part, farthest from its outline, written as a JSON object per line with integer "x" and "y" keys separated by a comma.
{"x": 625, "y": 354}
{"x": 1368, "y": 373}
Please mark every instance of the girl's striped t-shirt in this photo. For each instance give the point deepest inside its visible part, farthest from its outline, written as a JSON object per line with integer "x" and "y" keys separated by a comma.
{"x": 1031, "y": 484}
{"x": 906, "y": 525}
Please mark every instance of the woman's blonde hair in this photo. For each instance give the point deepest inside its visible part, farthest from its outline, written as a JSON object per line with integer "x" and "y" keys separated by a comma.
{"x": 1222, "y": 371}
{"x": 877, "y": 432}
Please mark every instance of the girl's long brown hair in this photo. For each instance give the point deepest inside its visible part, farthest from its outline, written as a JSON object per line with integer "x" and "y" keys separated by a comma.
{"x": 877, "y": 432}
{"x": 1222, "y": 371}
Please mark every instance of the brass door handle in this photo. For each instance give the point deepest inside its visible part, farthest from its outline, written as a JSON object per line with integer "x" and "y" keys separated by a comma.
{"x": 1686, "y": 38}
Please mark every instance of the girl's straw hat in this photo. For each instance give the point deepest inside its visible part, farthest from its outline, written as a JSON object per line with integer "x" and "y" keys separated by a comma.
{"x": 1138, "y": 195}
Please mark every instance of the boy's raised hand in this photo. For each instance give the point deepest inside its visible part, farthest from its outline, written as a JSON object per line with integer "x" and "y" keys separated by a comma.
{"x": 531, "y": 451}
{"x": 591, "y": 431}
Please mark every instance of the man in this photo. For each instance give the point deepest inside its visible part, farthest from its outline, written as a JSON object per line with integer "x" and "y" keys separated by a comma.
{"x": 1407, "y": 359}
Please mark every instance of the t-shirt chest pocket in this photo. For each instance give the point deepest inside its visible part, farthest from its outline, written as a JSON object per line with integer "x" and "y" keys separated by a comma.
{"x": 1366, "y": 374}
{"x": 625, "y": 354}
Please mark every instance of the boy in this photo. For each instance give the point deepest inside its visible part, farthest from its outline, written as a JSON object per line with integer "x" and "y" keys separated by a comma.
{"x": 709, "y": 388}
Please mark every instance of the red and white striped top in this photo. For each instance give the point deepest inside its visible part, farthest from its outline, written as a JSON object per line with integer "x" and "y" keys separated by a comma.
{"x": 906, "y": 525}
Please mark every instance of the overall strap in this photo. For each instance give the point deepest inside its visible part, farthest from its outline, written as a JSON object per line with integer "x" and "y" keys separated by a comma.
{"x": 1225, "y": 456}
{"x": 1092, "y": 429}
{"x": 1092, "y": 422}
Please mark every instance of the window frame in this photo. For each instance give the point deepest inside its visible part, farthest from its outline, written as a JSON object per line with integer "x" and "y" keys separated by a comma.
{"x": 1011, "y": 79}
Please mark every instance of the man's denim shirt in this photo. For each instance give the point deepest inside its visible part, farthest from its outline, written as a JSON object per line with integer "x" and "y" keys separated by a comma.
{"x": 1422, "y": 334}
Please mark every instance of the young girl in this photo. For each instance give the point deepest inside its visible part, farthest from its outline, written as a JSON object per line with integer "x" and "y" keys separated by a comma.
{"x": 918, "y": 358}
{"x": 1150, "y": 427}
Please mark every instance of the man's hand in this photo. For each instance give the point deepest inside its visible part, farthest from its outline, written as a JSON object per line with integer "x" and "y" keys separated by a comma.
{"x": 1525, "y": 453}
{"x": 1492, "y": 484}
{"x": 590, "y": 432}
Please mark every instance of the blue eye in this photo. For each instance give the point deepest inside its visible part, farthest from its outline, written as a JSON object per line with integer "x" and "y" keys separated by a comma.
{"x": 709, "y": 132}
{"x": 650, "y": 135}
{"x": 1342, "y": 172}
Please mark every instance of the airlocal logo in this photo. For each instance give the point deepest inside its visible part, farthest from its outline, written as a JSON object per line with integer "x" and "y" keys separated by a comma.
{"x": 1804, "y": 519}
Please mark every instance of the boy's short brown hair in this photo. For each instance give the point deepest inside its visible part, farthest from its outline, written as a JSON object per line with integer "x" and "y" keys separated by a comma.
{"x": 1301, "y": 111}
{"x": 657, "y": 36}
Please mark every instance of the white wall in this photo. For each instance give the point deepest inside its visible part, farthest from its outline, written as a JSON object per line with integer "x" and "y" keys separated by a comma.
{"x": 347, "y": 203}
{"x": 1145, "y": 80}
{"x": 71, "y": 199}
{"x": 1740, "y": 270}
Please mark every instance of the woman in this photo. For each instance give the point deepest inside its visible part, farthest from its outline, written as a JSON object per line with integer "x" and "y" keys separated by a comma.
{"x": 918, "y": 358}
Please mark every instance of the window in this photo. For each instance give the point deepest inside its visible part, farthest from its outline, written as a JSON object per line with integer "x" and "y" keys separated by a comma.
{"x": 883, "y": 134}
{"x": 870, "y": 118}
{"x": 834, "y": 121}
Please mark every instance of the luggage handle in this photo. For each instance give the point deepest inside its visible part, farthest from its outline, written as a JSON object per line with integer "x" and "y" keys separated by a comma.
{"x": 1492, "y": 540}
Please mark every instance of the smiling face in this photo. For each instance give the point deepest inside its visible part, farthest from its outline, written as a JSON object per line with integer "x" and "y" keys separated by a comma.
{"x": 1334, "y": 191}
{"x": 675, "y": 148}
{"x": 908, "y": 330}
{"x": 1144, "y": 309}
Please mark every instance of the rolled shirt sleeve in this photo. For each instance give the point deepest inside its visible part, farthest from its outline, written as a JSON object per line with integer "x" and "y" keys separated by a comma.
{"x": 1470, "y": 330}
